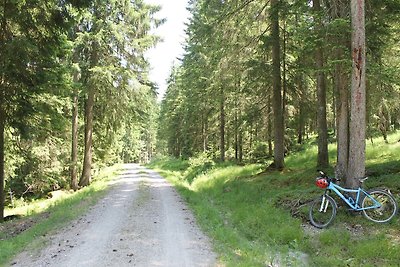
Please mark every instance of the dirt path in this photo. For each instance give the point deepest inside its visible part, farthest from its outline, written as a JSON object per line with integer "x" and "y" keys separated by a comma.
{"x": 141, "y": 222}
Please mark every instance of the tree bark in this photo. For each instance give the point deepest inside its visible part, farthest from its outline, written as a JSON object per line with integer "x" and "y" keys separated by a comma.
{"x": 323, "y": 156}
{"x": 356, "y": 167}
{"x": 277, "y": 106}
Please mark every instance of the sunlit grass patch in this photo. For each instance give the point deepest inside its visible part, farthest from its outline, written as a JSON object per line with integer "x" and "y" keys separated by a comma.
{"x": 218, "y": 177}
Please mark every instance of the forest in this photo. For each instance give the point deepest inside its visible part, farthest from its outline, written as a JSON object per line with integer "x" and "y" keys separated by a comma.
{"x": 258, "y": 79}
{"x": 74, "y": 92}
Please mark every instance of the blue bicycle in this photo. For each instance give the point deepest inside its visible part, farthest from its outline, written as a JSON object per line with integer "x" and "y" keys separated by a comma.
{"x": 376, "y": 205}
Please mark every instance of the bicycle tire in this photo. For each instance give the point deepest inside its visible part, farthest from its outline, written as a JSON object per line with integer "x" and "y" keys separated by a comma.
{"x": 384, "y": 213}
{"x": 322, "y": 219}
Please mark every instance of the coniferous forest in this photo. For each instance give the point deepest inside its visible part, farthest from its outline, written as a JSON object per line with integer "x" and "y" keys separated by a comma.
{"x": 74, "y": 92}
{"x": 258, "y": 79}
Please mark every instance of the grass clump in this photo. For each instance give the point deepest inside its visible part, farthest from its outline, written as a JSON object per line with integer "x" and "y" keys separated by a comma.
{"x": 260, "y": 218}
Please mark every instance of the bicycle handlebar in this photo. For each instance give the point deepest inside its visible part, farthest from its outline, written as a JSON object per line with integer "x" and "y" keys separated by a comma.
{"x": 330, "y": 179}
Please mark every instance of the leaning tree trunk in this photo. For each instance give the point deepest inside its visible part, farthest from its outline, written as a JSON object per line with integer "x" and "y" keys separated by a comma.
{"x": 279, "y": 132}
{"x": 323, "y": 157}
{"x": 356, "y": 167}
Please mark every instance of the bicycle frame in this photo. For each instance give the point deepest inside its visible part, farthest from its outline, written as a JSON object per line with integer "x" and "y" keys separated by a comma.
{"x": 354, "y": 204}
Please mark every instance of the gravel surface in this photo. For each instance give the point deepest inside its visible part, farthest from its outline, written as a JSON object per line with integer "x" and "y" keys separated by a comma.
{"x": 142, "y": 221}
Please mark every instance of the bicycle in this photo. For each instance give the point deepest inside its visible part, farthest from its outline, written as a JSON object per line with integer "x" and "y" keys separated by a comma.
{"x": 376, "y": 205}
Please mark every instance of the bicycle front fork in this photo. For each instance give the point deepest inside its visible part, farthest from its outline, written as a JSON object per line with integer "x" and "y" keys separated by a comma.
{"x": 324, "y": 204}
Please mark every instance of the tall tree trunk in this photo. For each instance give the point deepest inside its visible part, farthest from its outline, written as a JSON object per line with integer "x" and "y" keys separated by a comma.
{"x": 269, "y": 127}
{"x": 323, "y": 157}
{"x": 240, "y": 146}
{"x": 279, "y": 132}
{"x": 334, "y": 106}
{"x": 284, "y": 85}
{"x": 87, "y": 160}
{"x": 205, "y": 133}
{"x": 358, "y": 108}
{"x": 342, "y": 117}
{"x": 89, "y": 105}
{"x": 222, "y": 124}
{"x": 236, "y": 130}
{"x": 75, "y": 125}
{"x": 300, "y": 129}
{"x": 340, "y": 11}
{"x": 74, "y": 148}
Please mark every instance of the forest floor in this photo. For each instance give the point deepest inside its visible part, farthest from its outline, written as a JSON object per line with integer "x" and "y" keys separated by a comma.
{"x": 142, "y": 221}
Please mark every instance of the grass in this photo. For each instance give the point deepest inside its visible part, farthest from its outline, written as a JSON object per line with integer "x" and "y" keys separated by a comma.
{"x": 258, "y": 218}
{"x": 44, "y": 216}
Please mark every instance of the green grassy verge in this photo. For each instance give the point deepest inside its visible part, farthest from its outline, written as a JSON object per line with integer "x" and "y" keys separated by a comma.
{"x": 258, "y": 218}
{"x": 42, "y": 217}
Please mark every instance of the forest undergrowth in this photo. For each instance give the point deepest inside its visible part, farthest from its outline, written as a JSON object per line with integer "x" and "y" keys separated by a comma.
{"x": 259, "y": 218}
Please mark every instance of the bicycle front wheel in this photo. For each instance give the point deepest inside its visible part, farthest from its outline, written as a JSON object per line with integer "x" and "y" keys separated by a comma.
{"x": 385, "y": 212}
{"x": 322, "y": 211}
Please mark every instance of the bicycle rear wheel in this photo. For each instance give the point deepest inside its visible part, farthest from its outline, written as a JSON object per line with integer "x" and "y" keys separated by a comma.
{"x": 322, "y": 211}
{"x": 385, "y": 212}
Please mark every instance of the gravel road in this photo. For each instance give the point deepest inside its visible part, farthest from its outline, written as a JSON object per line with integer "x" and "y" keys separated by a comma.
{"x": 141, "y": 221}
